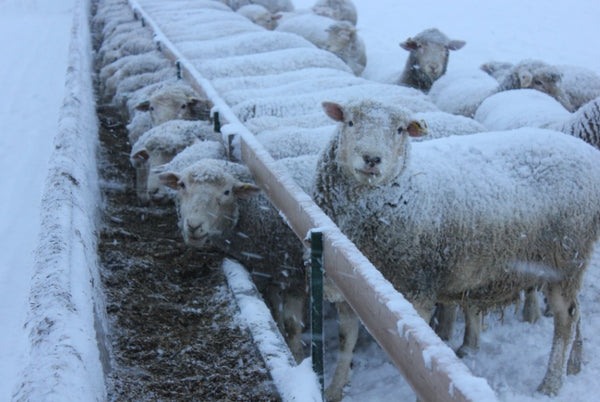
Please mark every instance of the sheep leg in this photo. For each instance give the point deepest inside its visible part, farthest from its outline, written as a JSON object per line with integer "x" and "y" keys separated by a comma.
{"x": 348, "y": 335}
{"x": 531, "y": 307}
{"x": 141, "y": 184}
{"x": 472, "y": 331}
{"x": 575, "y": 358}
{"x": 293, "y": 313}
{"x": 443, "y": 320}
{"x": 566, "y": 317}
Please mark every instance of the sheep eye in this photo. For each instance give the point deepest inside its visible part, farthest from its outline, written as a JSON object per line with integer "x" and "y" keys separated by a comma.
{"x": 400, "y": 130}
{"x": 181, "y": 184}
{"x": 151, "y": 108}
{"x": 537, "y": 82}
{"x": 227, "y": 192}
{"x": 183, "y": 106}
{"x": 350, "y": 123}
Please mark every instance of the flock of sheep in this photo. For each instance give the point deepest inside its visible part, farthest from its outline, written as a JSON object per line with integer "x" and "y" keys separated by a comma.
{"x": 451, "y": 216}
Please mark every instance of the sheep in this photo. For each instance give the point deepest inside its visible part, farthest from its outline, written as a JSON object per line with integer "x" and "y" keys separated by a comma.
{"x": 158, "y": 146}
{"x": 199, "y": 150}
{"x": 274, "y": 6}
{"x": 175, "y": 102}
{"x": 580, "y": 84}
{"x": 259, "y": 15}
{"x": 526, "y": 213}
{"x": 341, "y": 10}
{"x": 536, "y": 75}
{"x": 135, "y": 82}
{"x": 527, "y": 107}
{"x": 174, "y": 92}
{"x": 576, "y": 86}
{"x": 461, "y": 92}
{"x": 338, "y": 37}
{"x": 218, "y": 206}
{"x": 130, "y": 66}
{"x": 427, "y": 59}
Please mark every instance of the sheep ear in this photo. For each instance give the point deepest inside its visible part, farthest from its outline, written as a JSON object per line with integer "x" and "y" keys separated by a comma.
{"x": 143, "y": 107}
{"x": 409, "y": 44}
{"x": 456, "y": 44}
{"x": 417, "y": 128}
{"x": 141, "y": 155}
{"x": 334, "y": 111}
{"x": 277, "y": 16}
{"x": 525, "y": 77}
{"x": 245, "y": 190}
{"x": 170, "y": 180}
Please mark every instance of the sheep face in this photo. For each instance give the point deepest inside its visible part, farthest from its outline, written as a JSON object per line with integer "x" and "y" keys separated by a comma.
{"x": 546, "y": 80}
{"x": 429, "y": 52}
{"x": 175, "y": 105}
{"x": 373, "y": 139}
{"x": 340, "y": 35}
{"x": 207, "y": 203}
{"x": 148, "y": 185}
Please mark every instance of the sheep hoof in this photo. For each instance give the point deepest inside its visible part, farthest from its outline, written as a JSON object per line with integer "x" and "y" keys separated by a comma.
{"x": 332, "y": 395}
{"x": 464, "y": 351}
{"x": 550, "y": 387}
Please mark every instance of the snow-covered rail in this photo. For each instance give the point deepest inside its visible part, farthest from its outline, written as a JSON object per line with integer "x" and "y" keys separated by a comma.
{"x": 215, "y": 50}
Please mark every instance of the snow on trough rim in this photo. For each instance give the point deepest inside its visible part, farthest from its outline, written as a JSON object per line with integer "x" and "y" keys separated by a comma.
{"x": 66, "y": 314}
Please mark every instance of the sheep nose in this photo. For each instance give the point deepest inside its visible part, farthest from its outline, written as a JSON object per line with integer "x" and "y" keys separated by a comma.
{"x": 193, "y": 228}
{"x": 371, "y": 161}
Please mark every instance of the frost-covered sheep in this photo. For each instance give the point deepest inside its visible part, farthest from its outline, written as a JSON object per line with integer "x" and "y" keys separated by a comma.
{"x": 341, "y": 10}
{"x": 578, "y": 85}
{"x": 175, "y": 102}
{"x": 338, "y": 37}
{"x": 125, "y": 44}
{"x": 159, "y": 145}
{"x": 170, "y": 102}
{"x": 135, "y": 82}
{"x": 219, "y": 206}
{"x": 140, "y": 120}
{"x": 464, "y": 219}
{"x": 535, "y": 74}
{"x": 207, "y": 149}
{"x": 130, "y": 66}
{"x": 526, "y": 107}
{"x": 274, "y": 6}
{"x": 259, "y": 15}
{"x": 461, "y": 92}
{"x": 428, "y": 57}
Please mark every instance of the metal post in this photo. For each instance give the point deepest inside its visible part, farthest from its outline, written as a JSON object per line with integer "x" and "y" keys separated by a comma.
{"x": 316, "y": 304}
{"x": 217, "y": 126}
{"x": 178, "y": 67}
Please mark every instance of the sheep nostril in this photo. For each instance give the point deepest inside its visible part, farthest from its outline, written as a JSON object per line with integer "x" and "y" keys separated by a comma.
{"x": 371, "y": 161}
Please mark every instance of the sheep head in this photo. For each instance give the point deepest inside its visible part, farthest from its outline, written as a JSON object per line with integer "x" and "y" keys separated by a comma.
{"x": 544, "y": 78}
{"x": 372, "y": 139}
{"x": 173, "y": 105}
{"x": 207, "y": 202}
{"x": 340, "y": 35}
{"x": 429, "y": 52}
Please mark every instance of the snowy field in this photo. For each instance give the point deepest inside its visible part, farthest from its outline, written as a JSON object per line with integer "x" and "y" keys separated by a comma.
{"x": 34, "y": 41}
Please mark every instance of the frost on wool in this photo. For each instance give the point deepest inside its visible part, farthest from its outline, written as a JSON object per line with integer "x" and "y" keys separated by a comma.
{"x": 341, "y": 10}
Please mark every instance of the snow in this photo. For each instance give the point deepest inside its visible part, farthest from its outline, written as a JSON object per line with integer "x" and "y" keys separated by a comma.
{"x": 34, "y": 43}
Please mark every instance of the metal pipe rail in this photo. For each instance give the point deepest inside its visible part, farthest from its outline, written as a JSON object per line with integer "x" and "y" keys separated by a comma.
{"x": 429, "y": 365}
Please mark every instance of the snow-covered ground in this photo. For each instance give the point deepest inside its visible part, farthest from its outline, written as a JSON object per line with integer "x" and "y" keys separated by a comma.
{"x": 34, "y": 40}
